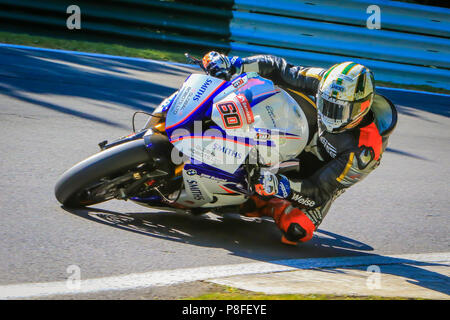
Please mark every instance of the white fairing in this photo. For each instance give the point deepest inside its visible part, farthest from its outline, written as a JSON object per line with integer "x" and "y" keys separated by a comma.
{"x": 195, "y": 90}
{"x": 277, "y": 119}
{"x": 275, "y": 126}
{"x": 202, "y": 190}
{"x": 287, "y": 122}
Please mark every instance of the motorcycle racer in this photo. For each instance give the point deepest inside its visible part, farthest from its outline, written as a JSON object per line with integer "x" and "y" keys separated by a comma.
{"x": 349, "y": 133}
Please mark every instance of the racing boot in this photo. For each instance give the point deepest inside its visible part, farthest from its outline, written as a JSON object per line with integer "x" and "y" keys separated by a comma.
{"x": 294, "y": 223}
{"x": 253, "y": 207}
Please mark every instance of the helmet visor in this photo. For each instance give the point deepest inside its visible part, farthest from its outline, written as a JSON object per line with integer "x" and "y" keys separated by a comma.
{"x": 336, "y": 114}
{"x": 333, "y": 113}
{"x": 332, "y": 110}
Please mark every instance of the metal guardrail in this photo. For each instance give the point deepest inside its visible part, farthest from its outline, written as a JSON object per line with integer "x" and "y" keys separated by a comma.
{"x": 174, "y": 22}
{"x": 412, "y": 46}
{"x": 395, "y": 15}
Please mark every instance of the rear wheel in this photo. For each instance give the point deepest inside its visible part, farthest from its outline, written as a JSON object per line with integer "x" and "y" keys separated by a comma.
{"x": 98, "y": 178}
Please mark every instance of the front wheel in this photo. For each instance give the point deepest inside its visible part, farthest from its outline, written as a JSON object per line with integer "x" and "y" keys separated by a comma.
{"x": 89, "y": 181}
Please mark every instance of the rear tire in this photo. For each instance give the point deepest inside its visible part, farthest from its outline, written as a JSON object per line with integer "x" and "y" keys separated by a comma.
{"x": 108, "y": 163}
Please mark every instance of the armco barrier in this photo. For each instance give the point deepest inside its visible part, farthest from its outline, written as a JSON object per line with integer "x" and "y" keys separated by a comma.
{"x": 182, "y": 22}
{"x": 412, "y": 46}
{"x": 395, "y": 15}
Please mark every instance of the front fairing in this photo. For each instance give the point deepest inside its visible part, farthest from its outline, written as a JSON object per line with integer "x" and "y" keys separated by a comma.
{"x": 192, "y": 101}
{"x": 219, "y": 123}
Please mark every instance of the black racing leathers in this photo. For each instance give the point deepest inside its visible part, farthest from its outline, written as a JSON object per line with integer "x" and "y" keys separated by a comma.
{"x": 336, "y": 161}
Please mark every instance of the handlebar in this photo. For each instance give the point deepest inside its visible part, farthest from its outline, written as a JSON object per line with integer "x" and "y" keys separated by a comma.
{"x": 193, "y": 60}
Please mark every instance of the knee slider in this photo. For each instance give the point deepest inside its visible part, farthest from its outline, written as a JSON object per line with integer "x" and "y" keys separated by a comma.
{"x": 295, "y": 232}
{"x": 297, "y": 226}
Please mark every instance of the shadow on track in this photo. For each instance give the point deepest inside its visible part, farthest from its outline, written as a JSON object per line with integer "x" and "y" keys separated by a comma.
{"x": 406, "y": 154}
{"x": 256, "y": 239}
{"x": 242, "y": 236}
{"x": 32, "y": 76}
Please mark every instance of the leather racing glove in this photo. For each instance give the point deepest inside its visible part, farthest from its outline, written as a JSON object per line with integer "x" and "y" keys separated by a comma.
{"x": 273, "y": 185}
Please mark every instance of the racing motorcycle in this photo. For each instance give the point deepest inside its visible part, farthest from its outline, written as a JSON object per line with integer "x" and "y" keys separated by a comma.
{"x": 201, "y": 150}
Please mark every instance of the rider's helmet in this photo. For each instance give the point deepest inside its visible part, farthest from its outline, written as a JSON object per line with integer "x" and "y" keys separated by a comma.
{"x": 344, "y": 97}
{"x": 217, "y": 65}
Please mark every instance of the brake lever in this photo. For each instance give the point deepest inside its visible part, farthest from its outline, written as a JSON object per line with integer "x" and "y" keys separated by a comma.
{"x": 193, "y": 60}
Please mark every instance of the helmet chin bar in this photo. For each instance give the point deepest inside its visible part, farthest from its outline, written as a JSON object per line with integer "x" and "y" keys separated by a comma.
{"x": 332, "y": 125}
{"x": 324, "y": 126}
{"x": 355, "y": 122}
{"x": 343, "y": 118}
{"x": 344, "y": 127}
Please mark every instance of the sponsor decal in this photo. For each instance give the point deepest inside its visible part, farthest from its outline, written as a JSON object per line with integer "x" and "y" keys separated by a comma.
{"x": 282, "y": 188}
{"x": 328, "y": 147}
{"x": 191, "y": 172}
{"x": 337, "y": 87}
{"x": 184, "y": 97}
{"x": 303, "y": 201}
{"x": 247, "y": 109}
{"x": 213, "y": 178}
{"x": 270, "y": 184}
{"x": 262, "y": 136}
{"x": 237, "y": 83}
{"x": 346, "y": 77}
{"x": 202, "y": 89}
{"x": 230, "y": 115}
{"x": 195, "y": 190}
{"x": 200, "y": 152}
{"x": 227, "y": 151}
{"x": 272, "y": 115}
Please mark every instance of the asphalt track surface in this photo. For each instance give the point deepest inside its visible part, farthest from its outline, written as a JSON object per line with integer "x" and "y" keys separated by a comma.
{"x": 55, "y": 108}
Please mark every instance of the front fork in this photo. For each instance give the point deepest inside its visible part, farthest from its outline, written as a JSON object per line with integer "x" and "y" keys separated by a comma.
{"x": 159, "y": 148}
{"x": 155, "y": 124}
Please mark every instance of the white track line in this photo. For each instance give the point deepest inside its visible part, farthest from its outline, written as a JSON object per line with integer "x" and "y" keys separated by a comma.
{"x": 170, "y": 277}
{"x": 108, "y": 56}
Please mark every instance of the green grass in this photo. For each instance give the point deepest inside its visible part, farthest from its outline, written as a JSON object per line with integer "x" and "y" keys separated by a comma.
{"x": 229, "y": 293}
{"x": 157, "y": 52}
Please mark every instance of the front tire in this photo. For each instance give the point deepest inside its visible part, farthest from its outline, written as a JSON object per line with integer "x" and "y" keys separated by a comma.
{"x": 106, "y": 164}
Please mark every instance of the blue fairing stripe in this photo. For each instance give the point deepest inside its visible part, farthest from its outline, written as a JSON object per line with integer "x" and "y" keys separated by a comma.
{"x": 211, "y": 96}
